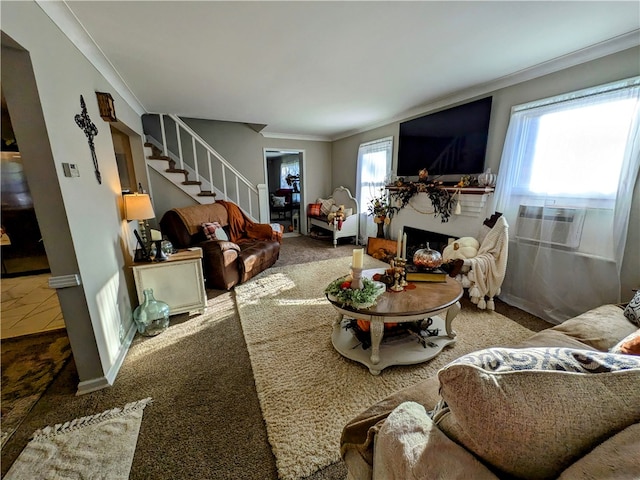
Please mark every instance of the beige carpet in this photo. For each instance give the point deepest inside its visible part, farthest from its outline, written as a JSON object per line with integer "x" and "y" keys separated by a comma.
{"x": 96, "y": 446}
{"x": 307, "y": 390}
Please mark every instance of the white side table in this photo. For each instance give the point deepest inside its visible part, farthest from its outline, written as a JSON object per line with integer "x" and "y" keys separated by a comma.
{"x": 178, "y": 281}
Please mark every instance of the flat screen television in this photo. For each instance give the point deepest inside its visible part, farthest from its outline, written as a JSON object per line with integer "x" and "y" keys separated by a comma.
{"x": 449, "y": 143}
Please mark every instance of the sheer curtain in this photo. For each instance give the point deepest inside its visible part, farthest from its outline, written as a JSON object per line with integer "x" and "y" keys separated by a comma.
{"x": 374, "y": 167}
{"x": 565, "y": 185}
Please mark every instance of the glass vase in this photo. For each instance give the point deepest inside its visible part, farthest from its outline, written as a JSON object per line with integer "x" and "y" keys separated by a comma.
{"x": 151, "y": 316}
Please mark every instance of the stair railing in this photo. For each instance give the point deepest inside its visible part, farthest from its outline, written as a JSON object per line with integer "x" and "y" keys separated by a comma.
{"x": 212, "y": 155}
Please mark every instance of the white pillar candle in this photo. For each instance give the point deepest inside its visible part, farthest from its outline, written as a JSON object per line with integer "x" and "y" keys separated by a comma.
{"x": 358, "y": 258}
{"x": 399, "y": 248}
{"x": 404, "y": 246}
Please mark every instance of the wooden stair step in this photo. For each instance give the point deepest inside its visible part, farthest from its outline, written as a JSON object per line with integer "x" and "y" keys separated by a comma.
{"x": 159, "y": 157}
{"x": 207, "y": 193}
{"x": 176, "y": 170}
{"x": 191, "y": 182}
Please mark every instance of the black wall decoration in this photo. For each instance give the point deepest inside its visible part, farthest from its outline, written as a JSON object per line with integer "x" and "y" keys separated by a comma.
{"x": 90, "y": 130}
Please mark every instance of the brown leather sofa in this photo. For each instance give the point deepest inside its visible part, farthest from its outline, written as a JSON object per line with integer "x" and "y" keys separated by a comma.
{"x": 252, "y": 247}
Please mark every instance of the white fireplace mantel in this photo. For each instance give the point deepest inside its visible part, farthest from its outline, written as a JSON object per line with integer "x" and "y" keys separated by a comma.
{"x": 419, "y": 213}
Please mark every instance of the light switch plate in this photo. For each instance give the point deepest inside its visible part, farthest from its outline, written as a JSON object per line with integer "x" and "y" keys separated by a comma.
{"x": 70, "y": 170}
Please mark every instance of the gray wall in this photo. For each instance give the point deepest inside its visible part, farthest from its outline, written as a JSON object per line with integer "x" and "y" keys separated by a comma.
{"x": 606, "y": 69}
{"x": 81, "y": 221}
{"x": 244, "y": 149}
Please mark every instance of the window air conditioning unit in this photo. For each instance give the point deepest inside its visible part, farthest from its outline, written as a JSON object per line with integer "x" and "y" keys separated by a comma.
{"x": 550, "y": 225}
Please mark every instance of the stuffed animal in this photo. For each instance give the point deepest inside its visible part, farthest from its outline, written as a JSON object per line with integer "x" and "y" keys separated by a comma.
{"x": 337, "y": 217}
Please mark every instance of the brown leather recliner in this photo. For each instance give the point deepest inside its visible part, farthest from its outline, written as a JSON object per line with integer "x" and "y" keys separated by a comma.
{"x": 252, "y": 247}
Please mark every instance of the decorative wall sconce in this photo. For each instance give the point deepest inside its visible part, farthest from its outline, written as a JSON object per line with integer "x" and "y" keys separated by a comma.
{"x": 106, "y": 107}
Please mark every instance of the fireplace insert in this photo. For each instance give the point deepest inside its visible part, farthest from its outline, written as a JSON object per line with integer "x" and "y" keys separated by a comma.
{"x": 417, "y": 238}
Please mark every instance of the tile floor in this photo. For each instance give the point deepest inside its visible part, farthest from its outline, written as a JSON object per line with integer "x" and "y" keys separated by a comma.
{"x": 28, "y": 306}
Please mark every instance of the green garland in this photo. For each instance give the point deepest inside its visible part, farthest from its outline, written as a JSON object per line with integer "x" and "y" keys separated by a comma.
{"x": 441, "y": 199}
{"x": 342, "y": 292}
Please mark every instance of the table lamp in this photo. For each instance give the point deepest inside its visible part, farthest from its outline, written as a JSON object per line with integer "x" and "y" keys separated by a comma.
{"x": 137, "y": 206}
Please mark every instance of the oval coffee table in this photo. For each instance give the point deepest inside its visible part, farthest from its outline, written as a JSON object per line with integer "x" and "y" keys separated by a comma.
{"x": 427, "y": 300}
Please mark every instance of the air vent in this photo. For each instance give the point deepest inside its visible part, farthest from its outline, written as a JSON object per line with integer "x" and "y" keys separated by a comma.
{"x": 550, "y": 225}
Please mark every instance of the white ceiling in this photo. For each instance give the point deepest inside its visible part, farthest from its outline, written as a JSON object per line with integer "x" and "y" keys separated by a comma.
{"x": 325, "y": 69}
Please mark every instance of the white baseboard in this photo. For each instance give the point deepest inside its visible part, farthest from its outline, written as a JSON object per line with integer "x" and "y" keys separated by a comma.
{"x": 99, "y": 383}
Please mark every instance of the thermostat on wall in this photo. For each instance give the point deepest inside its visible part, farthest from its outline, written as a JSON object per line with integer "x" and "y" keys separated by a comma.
{"x": 70, "y": 170}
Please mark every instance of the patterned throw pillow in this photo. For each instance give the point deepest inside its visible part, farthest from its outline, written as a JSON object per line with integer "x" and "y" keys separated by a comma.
{"x": 314, "y": 209}
{"x": 632, "y": 310}
{"x": 325, "y": 205}
{"x": 214, "y": 231}
{"x": 277, "y": 201}
{"x": 549, "y": 405}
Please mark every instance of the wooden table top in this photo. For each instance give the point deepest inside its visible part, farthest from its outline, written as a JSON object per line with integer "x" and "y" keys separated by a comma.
{"x": 424, "y": 298}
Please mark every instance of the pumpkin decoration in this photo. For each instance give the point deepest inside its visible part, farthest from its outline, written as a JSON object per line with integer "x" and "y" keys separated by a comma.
{"x": 363, "y": 324}
{"x": 427, "y": 258}
{"x": 463, "y": 248}
{"x": 487, "y": 179}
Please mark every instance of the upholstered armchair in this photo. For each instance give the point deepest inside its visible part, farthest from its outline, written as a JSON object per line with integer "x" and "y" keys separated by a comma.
{"x": 483, "y": 271}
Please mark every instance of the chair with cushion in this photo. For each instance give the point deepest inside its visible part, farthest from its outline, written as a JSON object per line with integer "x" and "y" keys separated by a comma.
{"x": 483, "y": 260}
{"x": 318, "y": 215}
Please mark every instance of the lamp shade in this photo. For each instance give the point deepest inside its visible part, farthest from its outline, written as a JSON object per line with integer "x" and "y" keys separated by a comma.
{"x": 137, "y": 206}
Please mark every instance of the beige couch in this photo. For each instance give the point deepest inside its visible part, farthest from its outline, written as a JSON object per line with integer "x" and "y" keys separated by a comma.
{"x": 569, "y": 412}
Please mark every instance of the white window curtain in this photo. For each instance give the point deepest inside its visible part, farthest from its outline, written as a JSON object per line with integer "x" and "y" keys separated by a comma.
{"x": 565, "y": 185}
{"x": 374, "y": 168}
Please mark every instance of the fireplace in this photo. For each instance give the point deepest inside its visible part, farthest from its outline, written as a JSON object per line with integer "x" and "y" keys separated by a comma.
{"x": 417, "y": 238}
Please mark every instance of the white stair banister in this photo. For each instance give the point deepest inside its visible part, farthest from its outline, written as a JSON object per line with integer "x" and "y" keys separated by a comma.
{"x": 195, "y": 157}
{"x": 179, "y": 146}
{"x": 212, "y": 155}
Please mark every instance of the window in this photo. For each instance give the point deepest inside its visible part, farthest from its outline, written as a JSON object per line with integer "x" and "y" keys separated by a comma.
{"x": 565, "y": 185}
{"x": 574, "y": 148}
{"x": 289, "y": 168}
{"x": 374, "y": 166}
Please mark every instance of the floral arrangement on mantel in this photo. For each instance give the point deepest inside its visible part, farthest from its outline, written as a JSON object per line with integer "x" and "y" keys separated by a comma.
{"x": 340, "y": 291}
{"x": 441, "y": 199}
{"x": 382, "y": 211}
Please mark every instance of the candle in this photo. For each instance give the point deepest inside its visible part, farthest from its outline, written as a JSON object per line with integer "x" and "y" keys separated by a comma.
{"x": 399, "y": 249}
{"x": 358, "y": 258}
{"x": 404, "y": 246}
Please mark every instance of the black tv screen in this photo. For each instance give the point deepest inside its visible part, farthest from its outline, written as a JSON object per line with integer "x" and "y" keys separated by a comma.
{"x": 448, "y": 142}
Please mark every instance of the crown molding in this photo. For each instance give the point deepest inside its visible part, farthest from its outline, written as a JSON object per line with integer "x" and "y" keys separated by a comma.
{"x": 70, "y": 26}
{"x": 293, "y": 136}
{"x": 602, "y": 49}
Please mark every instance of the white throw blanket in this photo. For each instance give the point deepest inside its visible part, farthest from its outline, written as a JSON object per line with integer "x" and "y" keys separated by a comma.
{"x": 410, "y": 446}
{"x": 488, "y": 268}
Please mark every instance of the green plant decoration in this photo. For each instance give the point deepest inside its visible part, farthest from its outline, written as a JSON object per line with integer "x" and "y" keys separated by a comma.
{"x": 341, "y": 291}
{"x": 441, "y": 199}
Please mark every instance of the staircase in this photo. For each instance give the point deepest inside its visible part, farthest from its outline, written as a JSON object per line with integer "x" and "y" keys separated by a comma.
{"x": 181, "y": 156}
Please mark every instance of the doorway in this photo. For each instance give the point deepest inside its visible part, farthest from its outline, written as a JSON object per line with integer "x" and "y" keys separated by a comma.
{"x": 28, "y": 304}
{"x": 23, "y": 251}
{"x": 284, "y": 174}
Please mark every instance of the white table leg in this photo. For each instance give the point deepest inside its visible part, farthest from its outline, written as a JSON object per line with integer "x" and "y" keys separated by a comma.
{"x": 376, "y": 330}
{"x": 452, "y": 312}
{"x": 338, "y": 320}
